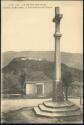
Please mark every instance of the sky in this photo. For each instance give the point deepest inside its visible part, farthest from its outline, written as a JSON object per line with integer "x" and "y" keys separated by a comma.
{"x": 32, "y": 29}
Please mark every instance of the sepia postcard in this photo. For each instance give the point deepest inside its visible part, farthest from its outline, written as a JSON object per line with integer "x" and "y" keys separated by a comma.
{"x": 41, "y": 61}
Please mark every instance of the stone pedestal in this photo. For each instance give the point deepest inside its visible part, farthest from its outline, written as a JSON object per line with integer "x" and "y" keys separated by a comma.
{"x": 56, "y": 109}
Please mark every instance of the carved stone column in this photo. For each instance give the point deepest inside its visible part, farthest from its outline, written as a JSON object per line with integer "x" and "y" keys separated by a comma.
{"x": 57, "y": 84}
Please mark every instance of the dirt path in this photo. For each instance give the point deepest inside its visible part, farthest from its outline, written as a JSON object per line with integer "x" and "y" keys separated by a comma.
{"x": 14, "y": 104}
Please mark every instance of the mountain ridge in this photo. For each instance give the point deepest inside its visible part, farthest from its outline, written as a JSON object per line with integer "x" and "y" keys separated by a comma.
{"x": 74, "y": 60}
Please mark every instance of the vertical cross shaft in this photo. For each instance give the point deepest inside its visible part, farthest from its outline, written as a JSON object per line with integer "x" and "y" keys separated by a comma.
{"x": 57, "y": 84}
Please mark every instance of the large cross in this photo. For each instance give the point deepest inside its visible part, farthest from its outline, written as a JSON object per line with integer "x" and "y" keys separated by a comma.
{"x": 57, "y": 106}
{"x": 57, "y": 84}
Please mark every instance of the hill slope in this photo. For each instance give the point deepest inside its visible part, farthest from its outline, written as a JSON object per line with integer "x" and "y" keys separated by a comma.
{"x": 12, "y": 72}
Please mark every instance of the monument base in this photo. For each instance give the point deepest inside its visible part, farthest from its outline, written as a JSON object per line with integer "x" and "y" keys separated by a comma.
{"x": 58, "y": 95}
{"x": 56, "y": 109}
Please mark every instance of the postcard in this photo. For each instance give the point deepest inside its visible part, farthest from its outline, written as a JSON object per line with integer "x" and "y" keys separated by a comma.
{"x": 41, "y": 61}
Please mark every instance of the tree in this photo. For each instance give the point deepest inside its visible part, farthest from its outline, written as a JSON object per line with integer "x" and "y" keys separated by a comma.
{"x": 67, "y": 80}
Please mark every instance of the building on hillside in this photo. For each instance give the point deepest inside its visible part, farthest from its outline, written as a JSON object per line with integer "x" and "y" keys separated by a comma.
{"x": 38, "y": 85}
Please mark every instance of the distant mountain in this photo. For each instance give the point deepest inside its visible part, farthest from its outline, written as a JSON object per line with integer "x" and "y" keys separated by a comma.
{"x": 74, "y": 60}
{"x": 12, "y": 72}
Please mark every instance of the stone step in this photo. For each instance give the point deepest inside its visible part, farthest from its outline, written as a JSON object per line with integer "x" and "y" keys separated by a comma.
{"x": 64, "y": 109}
{"x": 52, "y": 104}
{"x": 52, "y": 115}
